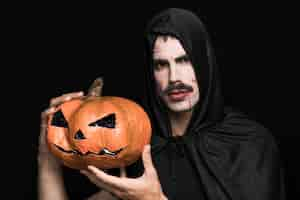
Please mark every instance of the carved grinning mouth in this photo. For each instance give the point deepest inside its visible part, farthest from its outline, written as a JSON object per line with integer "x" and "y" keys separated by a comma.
{"x": 103, "y": 151}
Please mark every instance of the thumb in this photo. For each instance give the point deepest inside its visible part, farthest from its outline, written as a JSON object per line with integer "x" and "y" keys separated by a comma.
{"x": 123, "y": 172}
{"x": 147, "y": 160}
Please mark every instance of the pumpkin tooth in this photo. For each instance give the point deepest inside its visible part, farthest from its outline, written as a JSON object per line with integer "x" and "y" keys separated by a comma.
{"x": 78, "y": 152}
{"x": 64, "y": 150}
{"x": 105, "y": 151}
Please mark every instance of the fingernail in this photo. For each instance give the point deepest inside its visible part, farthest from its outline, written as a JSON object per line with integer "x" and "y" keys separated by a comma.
{"x": 49, "y": 110}
{"x": 68, "y": 98}
{"x": 90, "y": 167}
{"x": 147, "y": 147}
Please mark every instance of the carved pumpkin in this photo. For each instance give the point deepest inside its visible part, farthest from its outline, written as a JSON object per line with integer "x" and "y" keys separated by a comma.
{"x": 107, "y": 132}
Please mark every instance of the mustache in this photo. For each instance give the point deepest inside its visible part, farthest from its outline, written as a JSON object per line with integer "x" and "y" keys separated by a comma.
{"x": 179, "y": 86}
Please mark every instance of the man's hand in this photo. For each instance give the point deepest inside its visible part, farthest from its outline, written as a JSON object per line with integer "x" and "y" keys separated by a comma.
{"x": 44, "y": 155}
{"x": 146, "y": 187}
{"x": 50, "y": 180}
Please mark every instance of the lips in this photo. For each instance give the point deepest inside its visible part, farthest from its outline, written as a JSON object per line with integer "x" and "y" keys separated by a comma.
{"x": 178, "y": 95}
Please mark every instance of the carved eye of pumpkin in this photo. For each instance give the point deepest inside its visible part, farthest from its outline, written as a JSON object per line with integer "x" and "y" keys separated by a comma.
{"x": 108, "y": 121}
{"x": 59, "y": 120}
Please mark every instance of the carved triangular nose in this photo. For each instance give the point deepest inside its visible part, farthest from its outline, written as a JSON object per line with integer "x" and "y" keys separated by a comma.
{"x": 79, "y": 135}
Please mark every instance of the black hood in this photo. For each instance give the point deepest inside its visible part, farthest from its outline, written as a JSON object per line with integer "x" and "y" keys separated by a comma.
{"x": 223, "y": 154}
{"x": 189, "y": 30}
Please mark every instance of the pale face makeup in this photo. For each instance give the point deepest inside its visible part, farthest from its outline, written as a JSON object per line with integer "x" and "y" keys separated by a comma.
{"x": 174, "y": 74}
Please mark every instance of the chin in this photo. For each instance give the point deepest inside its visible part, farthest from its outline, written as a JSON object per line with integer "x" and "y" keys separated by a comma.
{"x": 183, "y": 106}
{"x": 181, "y": 110}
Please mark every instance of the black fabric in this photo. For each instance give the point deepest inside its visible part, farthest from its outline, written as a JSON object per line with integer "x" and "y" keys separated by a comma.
{"x": 223, "y": 154}
{"x": 78, "y": 186}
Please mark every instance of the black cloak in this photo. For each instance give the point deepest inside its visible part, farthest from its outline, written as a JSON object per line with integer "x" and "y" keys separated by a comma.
{"x": 223, "y": 154}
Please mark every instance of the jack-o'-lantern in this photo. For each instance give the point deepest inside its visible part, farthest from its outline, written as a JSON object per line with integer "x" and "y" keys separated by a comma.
{"x": 107, "y": 132}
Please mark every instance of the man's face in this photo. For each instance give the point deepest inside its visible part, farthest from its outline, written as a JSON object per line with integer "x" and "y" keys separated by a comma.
{"x": 174, "y": 75}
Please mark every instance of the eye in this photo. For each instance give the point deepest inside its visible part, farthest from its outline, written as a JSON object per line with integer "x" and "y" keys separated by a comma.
{"x": 59, "y": 120}
{"x": 183, "y": 59}
{"x": 79, "y": 135}
{"x": 107, "y": 122}
{"x": 160, "y": 64}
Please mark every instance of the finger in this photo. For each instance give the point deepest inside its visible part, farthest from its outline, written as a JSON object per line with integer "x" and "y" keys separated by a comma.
{"x": 42, "y": 139}
{"x": 115, "y": 192}
{"x": 47, "y": 112}
{"x": 123, "y": 172}
{"x": 66, "y": 97}
{"x": 95, "y": 180}
{"x": 147, "y": 160}
{"x": 44, "y": 122}
{"x": 112, "y": 181}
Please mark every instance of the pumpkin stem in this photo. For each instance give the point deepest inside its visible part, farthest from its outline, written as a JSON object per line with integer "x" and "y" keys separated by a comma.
{"x": 95, "y": 89}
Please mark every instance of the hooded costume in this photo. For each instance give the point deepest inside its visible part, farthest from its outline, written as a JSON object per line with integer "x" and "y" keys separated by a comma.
{"x": 223, "y": 155}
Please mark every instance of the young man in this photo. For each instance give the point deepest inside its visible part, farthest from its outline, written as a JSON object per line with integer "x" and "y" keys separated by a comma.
{"x": 199, "y": 148}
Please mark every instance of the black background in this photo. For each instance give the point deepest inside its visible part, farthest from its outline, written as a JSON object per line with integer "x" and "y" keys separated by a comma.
{"x": 55, "y": 51}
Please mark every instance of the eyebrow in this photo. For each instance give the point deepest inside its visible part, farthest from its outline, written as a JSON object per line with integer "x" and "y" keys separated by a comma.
{"x": 160, "y": 61}
{"x": 182, "y": 57}
{"x": 179, "y": 58}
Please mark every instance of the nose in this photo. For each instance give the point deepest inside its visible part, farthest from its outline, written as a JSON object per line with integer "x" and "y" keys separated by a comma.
{"x": 174, "y": 75}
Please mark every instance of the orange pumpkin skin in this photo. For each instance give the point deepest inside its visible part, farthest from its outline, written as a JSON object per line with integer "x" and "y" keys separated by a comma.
{"x": 57, "y": 137}
{"x": 132, "y": 131}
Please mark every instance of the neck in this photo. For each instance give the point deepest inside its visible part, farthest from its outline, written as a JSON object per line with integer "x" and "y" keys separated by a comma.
{"x": 179, "y": 122}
